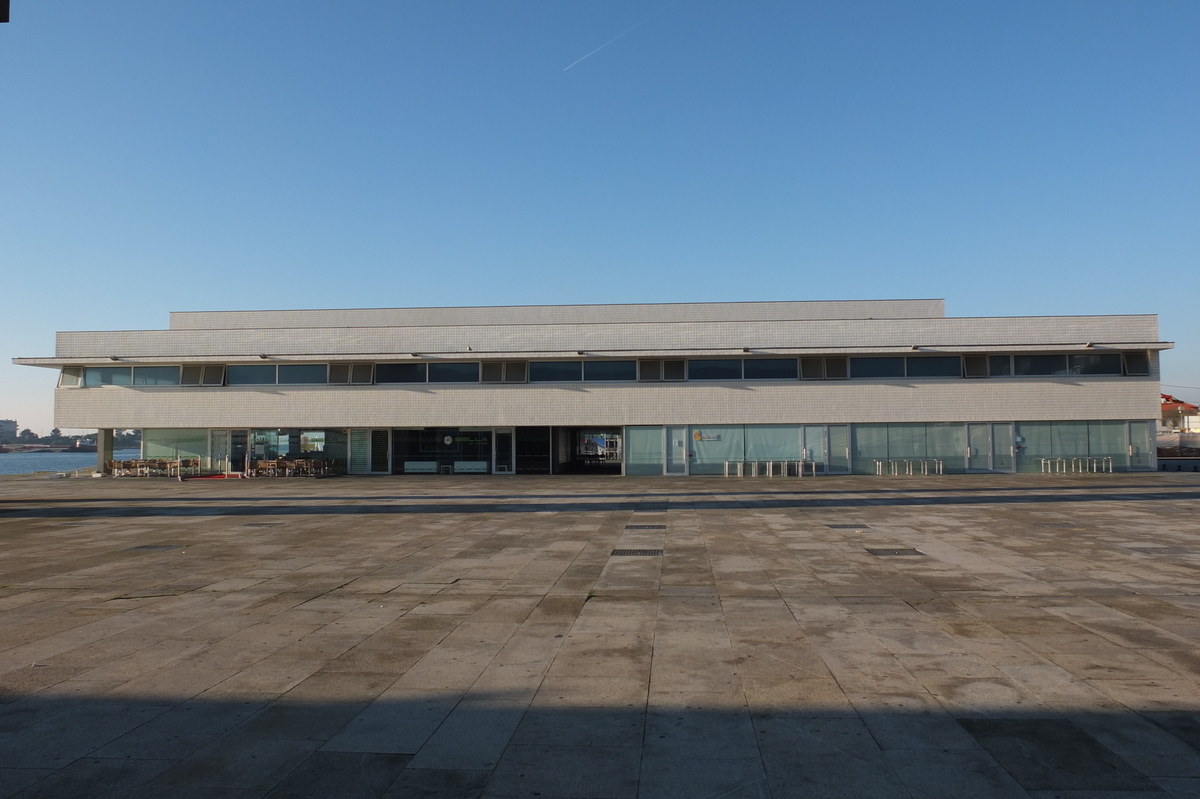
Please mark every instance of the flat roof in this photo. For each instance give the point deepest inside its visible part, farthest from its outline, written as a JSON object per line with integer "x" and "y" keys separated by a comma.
{"x": 791, "y": 310}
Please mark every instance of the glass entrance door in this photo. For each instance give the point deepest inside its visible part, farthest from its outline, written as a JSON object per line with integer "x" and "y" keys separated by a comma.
{"x": 218, "y": 452}
{"x": 502, "y": 452}
{"x": 370, "y": 451}
{"x": 239, "y": 445}
{"x": 813, "y": 445}
{"x": 979, "y": 448}
{"x": 1141, "y": 445}
{"x": 990, "y": 447}
{"x": 676, "y": 449}
{"x": 359, "y": 462}
{"x": 381, "y": 452}
{"x": 838, "y": 449}
{"x": 1003, "y": 451}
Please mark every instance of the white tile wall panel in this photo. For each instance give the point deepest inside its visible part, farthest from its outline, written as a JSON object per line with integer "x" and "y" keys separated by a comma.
{"x": 999, "y": 334}
{"x": 1019, "y": 399}
{"x": 571, "y": 314}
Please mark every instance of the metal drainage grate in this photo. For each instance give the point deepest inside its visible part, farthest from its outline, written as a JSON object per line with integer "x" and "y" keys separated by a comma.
{"x": 1163, "y": 550}
{"x": 635, "y": 553}
{"x": 645, "y": 527}
{"x": 887, "y": 552}
{"x": 848, "y": 527}
{"x": 263, "y": 524}
{"x": 152, "y": 548}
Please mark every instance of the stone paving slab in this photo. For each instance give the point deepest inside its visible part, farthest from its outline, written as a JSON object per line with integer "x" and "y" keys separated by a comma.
{"x": 1008, "y": 636}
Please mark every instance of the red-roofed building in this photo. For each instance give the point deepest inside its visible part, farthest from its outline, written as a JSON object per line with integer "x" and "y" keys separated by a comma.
{"x": 1180, "y": 415}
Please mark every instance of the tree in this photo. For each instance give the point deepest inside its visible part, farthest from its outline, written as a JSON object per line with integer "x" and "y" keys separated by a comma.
{"x": 55, "y": 433}
{"x": 27, "y": 436}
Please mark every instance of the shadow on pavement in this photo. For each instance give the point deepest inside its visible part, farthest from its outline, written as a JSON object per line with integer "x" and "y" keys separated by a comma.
{"x": 438, "y": 745}
{"x": 821, "y": 486}
{"x": 292, "y": 508}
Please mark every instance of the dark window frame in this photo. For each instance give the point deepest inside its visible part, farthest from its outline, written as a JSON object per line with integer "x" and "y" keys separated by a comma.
{"x": 1000, "y": 365}
{"x": 385, "y": 376}
{"x": 918, "y": 361}
{"x": 1034, "y": 364}
{"x": 1076, "y": 363}
{"x": 511, "y": 369}
{"x": 794, "y": 362}
{"x": 178, "y": 374}
{"x": 491, "y": 372}
{"x": 295, "y": 368}
{"x": 597, "y": 366}
{"x": 705, "y": 364}
{"x": 844, "y": 366}
{"x": 975, "y": 367}
{"x": 99, "y": 371}
{"x": 212, "y": 374}
{"x": 896, "y": 372}
{"x": 248, "y": 369}
{"x": 1136, "y": 355}
{"x": 674, "y": 370}
{"x": 449, "y": 372}
{"x": 648, "y": 373}
{"x": 549, "y": 366}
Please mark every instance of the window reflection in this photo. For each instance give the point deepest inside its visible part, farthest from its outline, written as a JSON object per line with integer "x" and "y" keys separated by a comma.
{"x": 106, "y": 376}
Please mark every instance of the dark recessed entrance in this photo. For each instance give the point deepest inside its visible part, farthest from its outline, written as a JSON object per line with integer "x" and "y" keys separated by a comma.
{"x": 533, "y": 450}
{"x": 587, "y": 450}
{"x": 442, "y": 450}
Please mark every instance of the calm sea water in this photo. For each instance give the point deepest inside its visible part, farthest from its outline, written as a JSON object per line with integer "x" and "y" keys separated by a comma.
{"x": 30, "y": 462}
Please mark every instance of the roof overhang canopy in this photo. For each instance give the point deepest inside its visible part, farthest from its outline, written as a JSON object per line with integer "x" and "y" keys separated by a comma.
{"x": 567, "y": 354}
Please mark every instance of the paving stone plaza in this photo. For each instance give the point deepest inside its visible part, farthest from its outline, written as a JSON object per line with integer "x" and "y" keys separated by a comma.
{"x": 959, "y": 636}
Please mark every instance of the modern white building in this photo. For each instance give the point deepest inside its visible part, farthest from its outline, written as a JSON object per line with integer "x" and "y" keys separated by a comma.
{"x": 676, "y": 389}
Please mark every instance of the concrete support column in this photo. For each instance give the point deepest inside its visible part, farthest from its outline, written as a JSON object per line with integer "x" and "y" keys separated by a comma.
{"x": 104, "y": 450}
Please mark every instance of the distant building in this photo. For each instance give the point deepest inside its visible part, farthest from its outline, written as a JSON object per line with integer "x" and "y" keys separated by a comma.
{"x": 1180, "y": 415}
{"x": 655, "y": 389}
{"x": 8, "y": 431}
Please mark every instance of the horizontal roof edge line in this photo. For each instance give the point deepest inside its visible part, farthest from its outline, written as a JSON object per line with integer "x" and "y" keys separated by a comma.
{"x": 638, "y": 322}
{"x": 575, "y": 305}
{"x": 863, "y": 349}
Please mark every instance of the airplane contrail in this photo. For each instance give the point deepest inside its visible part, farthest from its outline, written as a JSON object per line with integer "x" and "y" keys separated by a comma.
{"x": 618, "y": 36}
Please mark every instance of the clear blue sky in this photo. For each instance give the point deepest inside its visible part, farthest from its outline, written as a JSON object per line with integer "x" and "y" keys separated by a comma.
{"x": 1013, "y": 157}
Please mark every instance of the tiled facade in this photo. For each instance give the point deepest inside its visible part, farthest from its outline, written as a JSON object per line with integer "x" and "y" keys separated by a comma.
{"x": 1124, "y": 391}
{"x": 878, "y": 401}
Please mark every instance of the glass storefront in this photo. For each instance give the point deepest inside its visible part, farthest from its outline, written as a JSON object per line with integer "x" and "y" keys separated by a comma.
{"x": 839, "y": 449}
{"x": 766, "y": 442}
{"x": 712, "y": 445}
{"x": 643, "y": 450}
{"x": 229, "y": 450}
{"x": 175, "y": 444}
{"x": 868, "y": 443}
{"x": 442, "y": 450}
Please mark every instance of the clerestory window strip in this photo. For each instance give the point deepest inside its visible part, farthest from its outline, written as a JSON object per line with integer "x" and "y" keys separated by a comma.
{"x": 1136, "y": 363}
